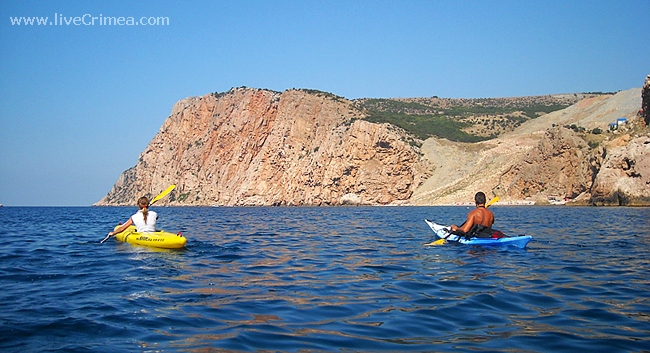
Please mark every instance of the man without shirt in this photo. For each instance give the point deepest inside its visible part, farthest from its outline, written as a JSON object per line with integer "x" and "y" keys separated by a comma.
{"x": 481, "y": 215}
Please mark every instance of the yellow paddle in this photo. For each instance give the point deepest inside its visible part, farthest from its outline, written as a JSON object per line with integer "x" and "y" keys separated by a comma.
{"x": 494, "y": 200}
{"x": 437, "y": 242}
{"x": 160, "y": 196}
{"x": 167, "y": 191}
{"x": 444, "y": 240}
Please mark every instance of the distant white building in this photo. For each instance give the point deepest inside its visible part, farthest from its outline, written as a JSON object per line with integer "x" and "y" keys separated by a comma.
{"x": 615, "y": 125}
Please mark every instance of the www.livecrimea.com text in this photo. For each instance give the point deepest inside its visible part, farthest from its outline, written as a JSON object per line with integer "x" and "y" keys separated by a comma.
{"x": 88, "y": 20}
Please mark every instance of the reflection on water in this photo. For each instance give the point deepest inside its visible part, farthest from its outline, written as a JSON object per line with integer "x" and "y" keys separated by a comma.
{"x": 325, "y": 279}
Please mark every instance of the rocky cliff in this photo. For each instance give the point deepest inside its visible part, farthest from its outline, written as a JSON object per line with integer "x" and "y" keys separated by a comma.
{"x": 568, "y": 155}
{"x": 557, "y": 167}
{"x": 304, "y": 147}
{"x": 624, "y": 173}
{"x": 645, "y": 104}
{"x": 259, "y": 147}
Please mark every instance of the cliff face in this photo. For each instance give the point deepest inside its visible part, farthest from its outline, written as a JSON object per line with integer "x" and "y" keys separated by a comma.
{"x": 624, "y": 174}
{"x": 559, "y": 166}
{"x": 645, "y": 105}
{"x": 616, "y": 173}
{"x": 555, "y": 156}
{"x": 258, "y": 147}
{"x": 610, "y": 169}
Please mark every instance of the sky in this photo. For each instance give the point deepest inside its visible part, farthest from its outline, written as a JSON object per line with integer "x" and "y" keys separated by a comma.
{"x": 81, "y": 98}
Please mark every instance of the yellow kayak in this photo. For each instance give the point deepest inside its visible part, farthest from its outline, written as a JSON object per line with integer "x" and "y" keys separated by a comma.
{"x": 159, "y": 239}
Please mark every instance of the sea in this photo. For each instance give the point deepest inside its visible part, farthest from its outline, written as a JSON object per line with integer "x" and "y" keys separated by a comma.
{"x": 324, "y": 279}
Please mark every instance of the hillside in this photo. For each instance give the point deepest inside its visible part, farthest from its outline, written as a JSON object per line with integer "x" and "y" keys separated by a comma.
{"x": 306, "y": 147}
{"x": 465, "y": 120}
{"x": 545, "y": 158}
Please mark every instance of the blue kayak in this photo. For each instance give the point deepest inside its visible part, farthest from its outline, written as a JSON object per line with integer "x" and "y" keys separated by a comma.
{"x": 442, "y": 232}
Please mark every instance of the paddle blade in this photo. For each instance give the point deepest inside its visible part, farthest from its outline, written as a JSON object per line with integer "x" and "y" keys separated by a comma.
{"x": 437, "y": 242}
{"x": 162, "y": 194}
{"x": 494, "y": 200}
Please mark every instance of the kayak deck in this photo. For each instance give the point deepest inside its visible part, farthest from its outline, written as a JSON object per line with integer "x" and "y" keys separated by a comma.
{"x": 442, "y": 232}
{"x": 159, "y": 239}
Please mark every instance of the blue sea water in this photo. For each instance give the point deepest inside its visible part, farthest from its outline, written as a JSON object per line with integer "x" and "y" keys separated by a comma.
{"x": 324, "y": 279}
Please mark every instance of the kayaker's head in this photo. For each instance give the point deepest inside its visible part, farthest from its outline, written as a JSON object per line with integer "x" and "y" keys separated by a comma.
{"x": 479, "y": 198}
{"x": 143, "y": 203}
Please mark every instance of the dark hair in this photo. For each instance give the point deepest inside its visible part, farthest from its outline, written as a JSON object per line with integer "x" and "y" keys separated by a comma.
{"x": 479, "y": 198}
{"x": 143, "y": 203}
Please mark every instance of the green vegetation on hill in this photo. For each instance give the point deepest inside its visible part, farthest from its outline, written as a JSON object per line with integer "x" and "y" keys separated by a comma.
{"x": 425, "y": 126}
{"x": 538, "y": 110}
{"x": 324, "y": 94}
{"x": 463, "y": 120}
{"x": 394, "y": 106}
{"x": 531, "y": 112}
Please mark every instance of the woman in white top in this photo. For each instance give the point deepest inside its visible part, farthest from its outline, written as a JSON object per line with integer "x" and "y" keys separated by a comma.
{"x": 144, "y": 220}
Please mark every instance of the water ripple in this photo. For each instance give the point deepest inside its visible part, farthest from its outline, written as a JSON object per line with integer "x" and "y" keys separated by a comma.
{"x": 324, "y": 279}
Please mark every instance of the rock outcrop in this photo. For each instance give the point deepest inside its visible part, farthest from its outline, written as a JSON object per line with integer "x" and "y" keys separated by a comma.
{"x": 645, "y": 101}
{"x": 305, "y": 147}
{"x": 558, "y": 167}
{"x": 555, "y": 157}
{"x": 259, "y": 147}
{"x": 624, "y": 174}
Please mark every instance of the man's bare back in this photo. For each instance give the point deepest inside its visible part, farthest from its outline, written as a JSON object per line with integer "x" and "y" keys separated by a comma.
{"x": 480, "y": 215}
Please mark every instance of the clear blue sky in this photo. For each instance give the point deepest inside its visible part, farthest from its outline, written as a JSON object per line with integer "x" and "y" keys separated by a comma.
{"x": 80, "y": 102}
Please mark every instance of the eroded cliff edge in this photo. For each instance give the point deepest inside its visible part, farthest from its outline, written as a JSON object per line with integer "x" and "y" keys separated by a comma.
{"x": 565, "y": 157}
{"x": 260, "y": 147}
{"x": 304, "y": 147}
